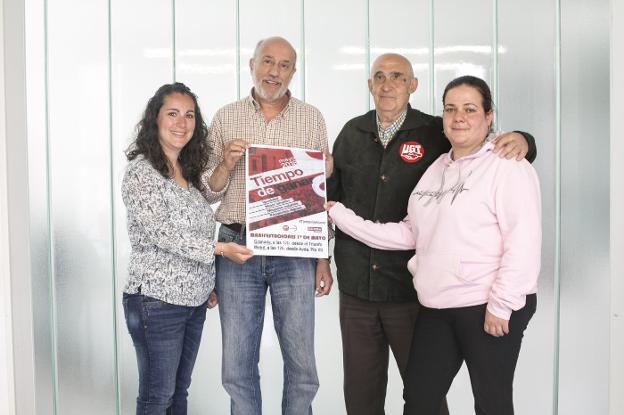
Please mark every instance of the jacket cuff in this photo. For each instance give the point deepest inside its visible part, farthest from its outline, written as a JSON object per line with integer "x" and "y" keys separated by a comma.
{"x": 532, "y": 153}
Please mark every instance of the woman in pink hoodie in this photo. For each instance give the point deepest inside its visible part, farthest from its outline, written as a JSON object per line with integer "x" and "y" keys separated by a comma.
{"x": 474, "y": 221}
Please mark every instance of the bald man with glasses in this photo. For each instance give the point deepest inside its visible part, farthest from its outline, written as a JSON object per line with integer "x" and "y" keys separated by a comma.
{"x": 378, "y": 159}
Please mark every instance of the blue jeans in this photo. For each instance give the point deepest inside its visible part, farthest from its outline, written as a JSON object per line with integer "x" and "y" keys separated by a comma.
{"x": 242, "y": 295}
{"x": 166, "y": 338}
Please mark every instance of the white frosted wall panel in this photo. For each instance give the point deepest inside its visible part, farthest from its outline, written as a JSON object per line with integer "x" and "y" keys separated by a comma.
{"x": 462, "y": 42}
{"x": 616, "y": 375}
{"x": 584, "y": 336}
{"x": 80, "y": 205}
{"x": 526, "y": 101}
{"x": 410, "y": 37}
{"x": 262, "y": 19}
{"x": 38, "y": 198}
{"x": 206, "y": 52}
{"x": 141, "y": 61}
{"x": 337, "y": 60}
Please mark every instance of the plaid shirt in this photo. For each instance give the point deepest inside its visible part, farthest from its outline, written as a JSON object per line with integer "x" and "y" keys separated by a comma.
{"x": 298, "y": 125}
{"x": 385, "y": 135}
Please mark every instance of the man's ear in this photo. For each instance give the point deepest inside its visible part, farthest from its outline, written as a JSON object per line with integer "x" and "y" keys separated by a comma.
{"x": 413, "y": 85}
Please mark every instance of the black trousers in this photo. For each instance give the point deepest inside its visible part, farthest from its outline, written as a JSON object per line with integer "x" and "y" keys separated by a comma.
{"x": 444, "y": 339}
{"x": 369, "y": 331}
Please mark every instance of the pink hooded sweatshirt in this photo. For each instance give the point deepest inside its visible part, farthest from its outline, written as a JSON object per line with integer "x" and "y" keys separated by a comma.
{"x": 475, "y": 224}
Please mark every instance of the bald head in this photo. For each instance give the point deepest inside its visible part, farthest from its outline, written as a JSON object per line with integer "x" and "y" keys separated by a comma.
{"x": 391, "y": 83}
{"x": 274, "y": 40}
{"x": 393, "y": 58}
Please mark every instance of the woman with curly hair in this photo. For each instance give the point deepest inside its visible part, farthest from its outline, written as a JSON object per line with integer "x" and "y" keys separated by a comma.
{"x": 171, "y": 228}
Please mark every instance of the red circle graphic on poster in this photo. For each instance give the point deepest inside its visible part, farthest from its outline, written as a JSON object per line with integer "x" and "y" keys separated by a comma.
{"x": 411, "y": 151}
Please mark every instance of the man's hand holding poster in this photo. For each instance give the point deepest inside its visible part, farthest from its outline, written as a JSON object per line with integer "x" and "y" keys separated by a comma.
{"x": 285, "y": 197}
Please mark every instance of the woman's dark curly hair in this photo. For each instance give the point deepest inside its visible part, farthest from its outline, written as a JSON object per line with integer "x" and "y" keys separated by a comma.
{"x": 193, "y": 157}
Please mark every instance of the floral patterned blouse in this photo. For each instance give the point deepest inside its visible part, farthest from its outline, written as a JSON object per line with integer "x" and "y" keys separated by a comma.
{"x": 171, "y": 232}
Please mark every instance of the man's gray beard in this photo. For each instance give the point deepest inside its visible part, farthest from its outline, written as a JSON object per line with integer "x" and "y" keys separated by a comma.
{"x": 258, "y": 90}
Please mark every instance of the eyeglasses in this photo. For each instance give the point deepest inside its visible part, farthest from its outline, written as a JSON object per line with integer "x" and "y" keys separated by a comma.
{"x": 395, "y": 78}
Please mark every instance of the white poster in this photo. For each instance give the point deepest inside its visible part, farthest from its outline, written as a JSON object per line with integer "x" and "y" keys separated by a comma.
{"x": 285, "y": 198}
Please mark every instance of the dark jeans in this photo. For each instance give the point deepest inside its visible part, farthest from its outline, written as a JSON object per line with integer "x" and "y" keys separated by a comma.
{"x": 444, "y": 339}
{"x": 369, "y": 331}
{"x": 166, "y": 338}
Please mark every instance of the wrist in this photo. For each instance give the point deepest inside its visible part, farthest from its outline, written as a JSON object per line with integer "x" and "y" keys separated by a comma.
{"x": 328, "y": 259}
{"x": 224, "y": 167}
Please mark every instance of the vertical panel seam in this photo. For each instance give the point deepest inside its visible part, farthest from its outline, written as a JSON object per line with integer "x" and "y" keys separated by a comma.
{"x": 174, "y": 51}
{"x": 368, "y": 51}
{"x": 238, "y": 68}
{"x": 432, "y": 71}
{"x": 113, "y": 223}
{"x": 51, "y": 270}
{"x": 303, "y": 53}
{"x": 495, "y": 64}
{"x": 557, "y": 259}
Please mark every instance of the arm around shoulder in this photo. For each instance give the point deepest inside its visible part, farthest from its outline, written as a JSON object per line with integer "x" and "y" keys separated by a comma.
{"x": 515, "y": 144}
{"x": 531, "y": 155}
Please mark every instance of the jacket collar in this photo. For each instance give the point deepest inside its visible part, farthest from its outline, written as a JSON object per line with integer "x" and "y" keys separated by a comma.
{"x": 413, "y": 119}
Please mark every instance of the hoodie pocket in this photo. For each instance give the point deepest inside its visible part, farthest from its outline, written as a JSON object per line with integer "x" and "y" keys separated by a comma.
{"x": 434, "y": 274}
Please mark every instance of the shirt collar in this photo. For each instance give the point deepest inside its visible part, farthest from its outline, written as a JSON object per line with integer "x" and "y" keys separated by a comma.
{"x": 395, "y": 125}
{"x": 256, "y": 105}
{"x": 386, "y": 134}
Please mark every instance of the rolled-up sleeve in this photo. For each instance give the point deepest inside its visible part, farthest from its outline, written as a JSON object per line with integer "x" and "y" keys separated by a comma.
{"x": 215, "y": 140}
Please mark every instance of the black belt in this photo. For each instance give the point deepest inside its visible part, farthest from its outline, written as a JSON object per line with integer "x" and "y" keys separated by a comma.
{"x": 236, "y": 227}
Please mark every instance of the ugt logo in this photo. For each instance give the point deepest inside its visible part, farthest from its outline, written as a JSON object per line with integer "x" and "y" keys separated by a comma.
{"x": 411, "y": 151}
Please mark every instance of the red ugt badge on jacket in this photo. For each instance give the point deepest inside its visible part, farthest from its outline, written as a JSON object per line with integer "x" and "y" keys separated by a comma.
{"x": 411, "y": 151}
